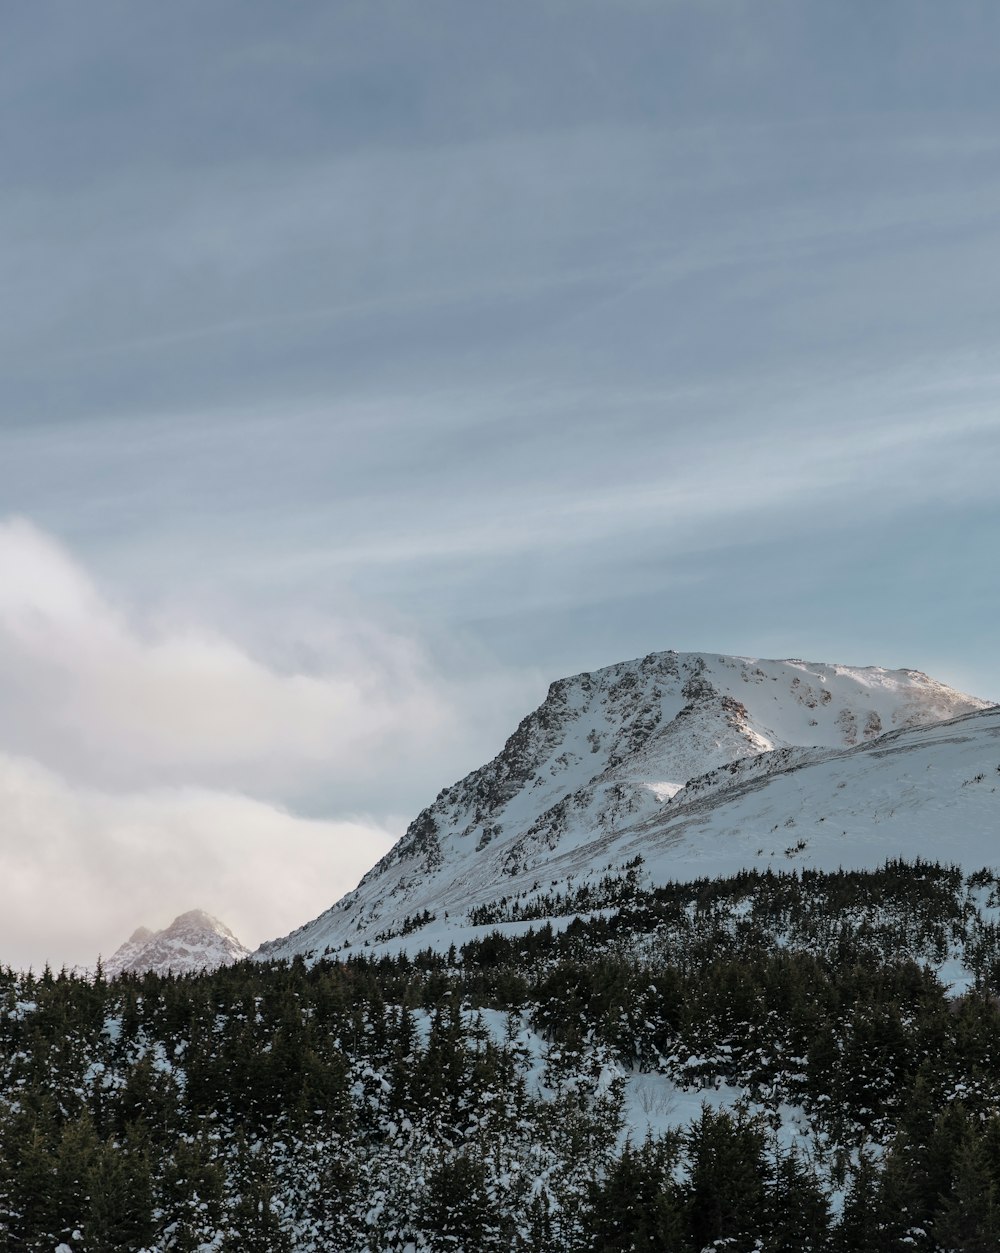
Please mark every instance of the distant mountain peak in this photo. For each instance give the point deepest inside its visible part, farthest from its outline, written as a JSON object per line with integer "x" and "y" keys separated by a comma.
{"x": 193, "y": 941}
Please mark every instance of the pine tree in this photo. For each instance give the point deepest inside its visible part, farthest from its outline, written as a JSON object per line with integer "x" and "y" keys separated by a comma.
{"x": 968, "y": 1220}
{"x": 862, "y": 1227}
{"x": 727, "y": 1188}
{"x": 119, "y": 1214}
{"x": 456, "y": 1205}
{"x": 798, "y": 1214}
{"x": 255, "y": 1225}
{"x": 637, "y": 1207}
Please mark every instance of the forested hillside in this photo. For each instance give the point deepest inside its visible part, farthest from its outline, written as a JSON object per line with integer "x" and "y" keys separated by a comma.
{"x": 773, "y": 1062}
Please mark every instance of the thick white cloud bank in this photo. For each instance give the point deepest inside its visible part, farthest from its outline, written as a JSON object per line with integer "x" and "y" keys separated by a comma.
{"x": 108, "y": 700}
{"x": 80, "y": 869}
{"x": 147, "y": 768}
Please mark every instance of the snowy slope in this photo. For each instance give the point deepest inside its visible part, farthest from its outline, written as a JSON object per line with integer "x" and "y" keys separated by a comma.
{"x": 586, "y": 781}
{"x": 930, "y": 792}
{"x": 193, "y": 941}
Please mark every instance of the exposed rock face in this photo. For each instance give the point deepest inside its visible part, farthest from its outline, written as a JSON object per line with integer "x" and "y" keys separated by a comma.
{"x": 602, "y": 756}
{"x": 193, "y": 941}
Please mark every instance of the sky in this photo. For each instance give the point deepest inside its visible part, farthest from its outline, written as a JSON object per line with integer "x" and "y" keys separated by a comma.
{"x": 365, "y": 367}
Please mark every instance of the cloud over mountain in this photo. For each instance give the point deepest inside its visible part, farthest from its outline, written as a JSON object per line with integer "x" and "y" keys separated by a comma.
{"x": 151, "y": 758}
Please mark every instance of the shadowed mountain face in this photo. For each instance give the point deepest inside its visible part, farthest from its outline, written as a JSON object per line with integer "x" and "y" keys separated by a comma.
{"x": 602, "y": 767}
{"x": 193, "y": 941}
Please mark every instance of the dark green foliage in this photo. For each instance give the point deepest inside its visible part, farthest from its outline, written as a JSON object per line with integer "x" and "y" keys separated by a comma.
{"x": 726, "y": 1195}
{"x": 638, "y": 1207}
{"x": 456, "y": 1206}
{"x": 361, "y": 1104}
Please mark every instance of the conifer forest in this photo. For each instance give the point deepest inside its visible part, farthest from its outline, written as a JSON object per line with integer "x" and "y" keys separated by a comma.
{"x": 773, "y": 1063}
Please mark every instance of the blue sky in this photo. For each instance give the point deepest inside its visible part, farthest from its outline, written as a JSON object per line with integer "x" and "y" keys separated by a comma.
{"x": 366, "y": 366}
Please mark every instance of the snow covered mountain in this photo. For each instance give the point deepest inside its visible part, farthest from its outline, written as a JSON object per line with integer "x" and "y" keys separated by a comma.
{"x": 665, "y": 759}
{"x": 193, "y": 941}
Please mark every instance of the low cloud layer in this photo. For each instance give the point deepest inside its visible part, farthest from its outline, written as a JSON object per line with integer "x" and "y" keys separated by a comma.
{"x": 109, "y": 700}
{"x": 81, "y": 868}
{"x": 151, "y": 764}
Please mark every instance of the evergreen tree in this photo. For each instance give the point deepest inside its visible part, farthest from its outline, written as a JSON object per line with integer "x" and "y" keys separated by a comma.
{"x": 726, "y": 1194}
{"x": 456, "y": 1207}
{"x": 968, "y": 1219}
{"x": 637, "y": 1207}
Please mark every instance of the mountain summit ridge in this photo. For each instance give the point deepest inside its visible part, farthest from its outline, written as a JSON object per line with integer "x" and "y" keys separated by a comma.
{"x": 600, "y": 759}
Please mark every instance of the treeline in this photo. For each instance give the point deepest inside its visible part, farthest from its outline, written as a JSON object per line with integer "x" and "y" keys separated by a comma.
{"x": 612, "y": 889}
{"x": 917, "y": 907}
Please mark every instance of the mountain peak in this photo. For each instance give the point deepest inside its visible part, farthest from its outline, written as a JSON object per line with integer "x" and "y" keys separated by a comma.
{"x": 602, "y": 756}
{"x": 195, "y": 940}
